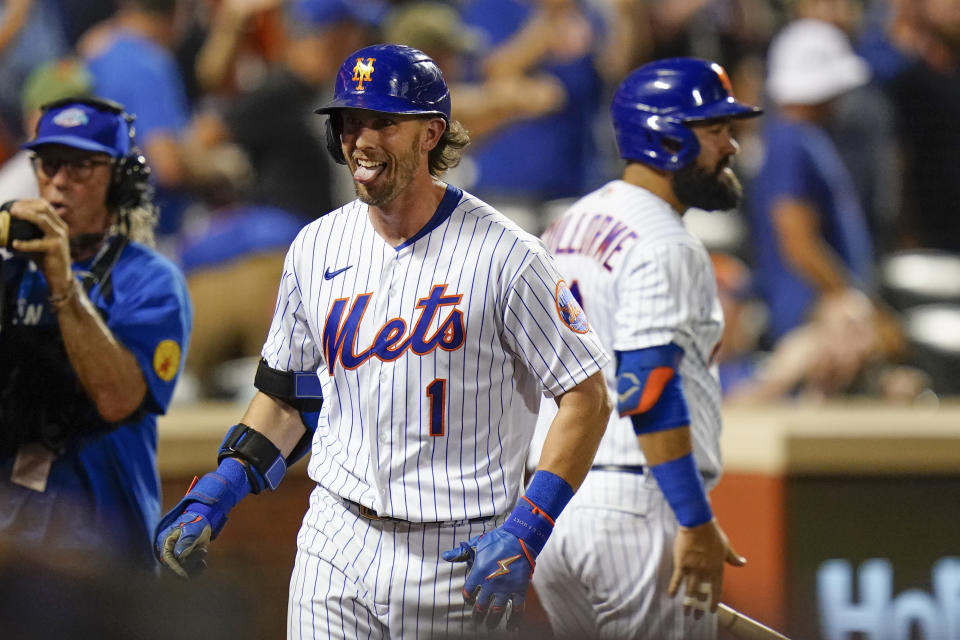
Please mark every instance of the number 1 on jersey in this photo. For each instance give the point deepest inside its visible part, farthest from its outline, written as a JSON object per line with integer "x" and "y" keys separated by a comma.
{"x": 437, "y": 392}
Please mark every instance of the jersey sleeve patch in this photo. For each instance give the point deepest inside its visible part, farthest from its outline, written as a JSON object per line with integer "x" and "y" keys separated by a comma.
{"x": 166, "y": 360}
{"x": 569, "y": 310}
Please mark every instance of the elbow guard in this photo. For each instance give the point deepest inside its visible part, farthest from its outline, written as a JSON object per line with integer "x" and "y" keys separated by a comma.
{"x": 650, "y": 390}
{"x": 265, "y": 465}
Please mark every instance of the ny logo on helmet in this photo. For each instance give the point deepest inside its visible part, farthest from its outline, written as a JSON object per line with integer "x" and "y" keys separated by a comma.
{"x": 362, "y": 72}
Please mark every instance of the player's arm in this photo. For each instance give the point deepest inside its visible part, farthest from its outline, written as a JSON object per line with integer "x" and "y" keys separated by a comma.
{"x": 650, "y": 392}
{"x": 576, "y": 431}
{"x": 276, "y": 420}
{"x": 500, "y": 562}
{"x": 254, "y": 456}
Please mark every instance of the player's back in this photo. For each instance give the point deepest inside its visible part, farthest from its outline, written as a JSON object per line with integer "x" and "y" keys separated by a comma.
{"x": 644, "y": 280}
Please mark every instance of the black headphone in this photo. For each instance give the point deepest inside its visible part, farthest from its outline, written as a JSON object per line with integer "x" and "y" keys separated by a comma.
{"x": 129, "y": 182}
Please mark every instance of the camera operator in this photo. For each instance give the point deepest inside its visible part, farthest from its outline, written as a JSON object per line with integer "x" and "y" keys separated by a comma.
{"x": 95, "y": 324}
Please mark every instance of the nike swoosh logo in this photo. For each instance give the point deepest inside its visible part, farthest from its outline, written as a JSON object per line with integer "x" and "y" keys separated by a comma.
{"x": 330, "y": 275}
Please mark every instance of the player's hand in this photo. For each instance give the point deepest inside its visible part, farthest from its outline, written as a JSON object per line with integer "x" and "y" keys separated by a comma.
{"x": 498, "y": 574}
{"x": 699, "y": 556}
{"x": 181, "y": 538}
{"x": 181, "y": 542}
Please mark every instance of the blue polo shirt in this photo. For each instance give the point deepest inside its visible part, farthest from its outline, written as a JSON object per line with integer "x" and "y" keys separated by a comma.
{"x": 239, "y": 232}
{"x": 553, "y": 156}
{"x": 802, "y": 163}
{"x": 103, "y": 490}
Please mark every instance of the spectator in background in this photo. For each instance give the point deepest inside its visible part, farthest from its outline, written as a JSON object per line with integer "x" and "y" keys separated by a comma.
{"x": 130, "y": 58}
{"x": 30, "y": 34}
{"x": 862, "y": 128}
{"x": 482, "y": 107}
{"x": 724, "y": 30}
{"x": 737, "y": 354}
{"x": 47, "y": 83}
{"x": 810, "y": 238}
{"x": 837, "y": 352}
{"x": 274, "y": 124}
{"x": 79, "y": 17}
{"x": 555, "y": 158}
{"x": 239, "y": 243}
{"x": 229, "y": 44}
{"x": 916, "y": 58}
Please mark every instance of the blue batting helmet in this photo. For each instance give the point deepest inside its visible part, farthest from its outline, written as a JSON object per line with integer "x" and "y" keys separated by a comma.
{"x": 390, "y": 78}
{"x": 654, "y": 103}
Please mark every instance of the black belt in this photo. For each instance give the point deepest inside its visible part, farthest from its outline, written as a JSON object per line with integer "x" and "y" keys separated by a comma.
{"x": 367, "y": 513}
{"x": 622, "y": 468}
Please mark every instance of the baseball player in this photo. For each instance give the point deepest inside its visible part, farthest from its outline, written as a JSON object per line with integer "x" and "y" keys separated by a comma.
{"x": 94, "y": 325}
{"x": 649, "y": 287}
{"x": 426, "y": 326}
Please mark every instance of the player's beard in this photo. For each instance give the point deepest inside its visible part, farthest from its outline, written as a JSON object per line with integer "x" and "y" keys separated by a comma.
{"x": 716, "y": 191}
{"x": 388, "y": 189}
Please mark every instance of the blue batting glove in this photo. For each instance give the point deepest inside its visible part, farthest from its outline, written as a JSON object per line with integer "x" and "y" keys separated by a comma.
{"x": 500, "y": 562}
{"x": 182, "y": 545}
{"x": 182, "y": 536}
{"x": 499, "y": 567}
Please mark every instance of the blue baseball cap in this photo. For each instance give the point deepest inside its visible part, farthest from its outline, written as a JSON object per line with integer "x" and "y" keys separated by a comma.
{"x": 83, "y": 126}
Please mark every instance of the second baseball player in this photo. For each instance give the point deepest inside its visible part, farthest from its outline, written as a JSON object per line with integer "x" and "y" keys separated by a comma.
{"x": 641, "y": 531}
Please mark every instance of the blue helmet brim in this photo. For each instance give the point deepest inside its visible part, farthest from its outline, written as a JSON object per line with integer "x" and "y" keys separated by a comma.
{"x": 373, "y": 102}
{"x": 729, "y": 108}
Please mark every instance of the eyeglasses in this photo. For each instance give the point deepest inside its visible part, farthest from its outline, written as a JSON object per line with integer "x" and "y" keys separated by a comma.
{"x": 78, "y": 169}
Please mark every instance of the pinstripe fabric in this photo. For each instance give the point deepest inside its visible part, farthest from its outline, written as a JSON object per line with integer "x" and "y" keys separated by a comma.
{"x": 433, "y": 357}
{"x": 355, "y": 578}
{"x": 605, "y": 571}
{"x": 644, "y": 281}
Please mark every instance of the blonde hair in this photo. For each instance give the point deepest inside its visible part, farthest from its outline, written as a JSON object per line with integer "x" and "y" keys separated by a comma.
{"x": 449, "y": 150}
{"x": 140, "y": 222}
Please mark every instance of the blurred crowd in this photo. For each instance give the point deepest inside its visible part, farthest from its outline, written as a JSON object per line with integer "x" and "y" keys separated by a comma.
{"x": 839, "y": 276}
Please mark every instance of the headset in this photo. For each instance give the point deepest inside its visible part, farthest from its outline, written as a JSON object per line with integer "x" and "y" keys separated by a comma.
{"x": 129, "y": 183}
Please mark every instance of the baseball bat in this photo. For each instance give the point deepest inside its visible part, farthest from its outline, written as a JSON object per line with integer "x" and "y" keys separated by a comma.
{"x": 745, "y": 627}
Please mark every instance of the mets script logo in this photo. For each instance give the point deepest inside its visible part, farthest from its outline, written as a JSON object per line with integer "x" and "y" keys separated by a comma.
{"x": 392, "y": 340}
{"x": 362, "y": 72}
{"x": 569, "y": 309}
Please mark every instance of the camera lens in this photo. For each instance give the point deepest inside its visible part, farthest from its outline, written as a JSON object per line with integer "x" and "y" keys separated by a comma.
{"x": 14, "y": 228}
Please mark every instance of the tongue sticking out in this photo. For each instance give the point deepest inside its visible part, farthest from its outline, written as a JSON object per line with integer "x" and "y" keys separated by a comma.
{"x": 364, "y": 175}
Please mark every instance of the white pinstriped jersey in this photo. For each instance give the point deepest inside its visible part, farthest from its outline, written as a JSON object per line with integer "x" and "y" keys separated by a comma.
{"x": 433, "y": 356}
{"x": 645, "y": 281}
